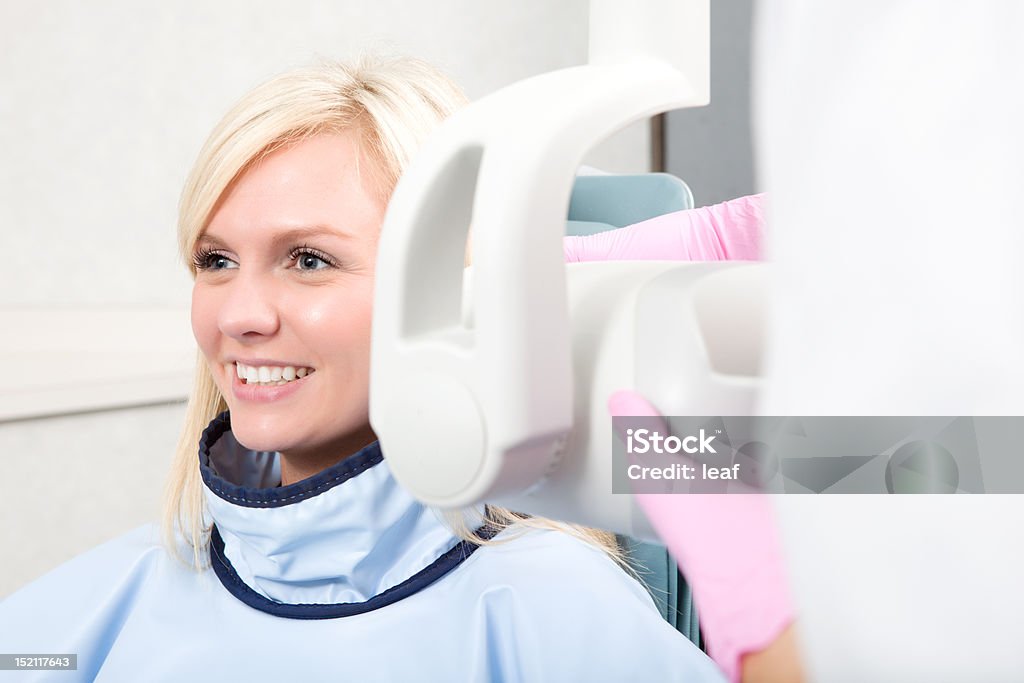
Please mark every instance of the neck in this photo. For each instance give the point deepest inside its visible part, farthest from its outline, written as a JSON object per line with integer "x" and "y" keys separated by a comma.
{"x": 297, "y": 465}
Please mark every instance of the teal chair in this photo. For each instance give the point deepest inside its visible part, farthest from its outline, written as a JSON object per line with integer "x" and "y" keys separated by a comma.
{"x": 666, "y": 584}
{"x": 606, "y": 202}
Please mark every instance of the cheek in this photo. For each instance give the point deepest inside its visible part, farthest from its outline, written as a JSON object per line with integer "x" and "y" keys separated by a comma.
{"x": 339, "y": 327}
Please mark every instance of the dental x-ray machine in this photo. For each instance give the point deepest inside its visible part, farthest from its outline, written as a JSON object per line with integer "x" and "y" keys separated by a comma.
{"x": 492, "y": 385}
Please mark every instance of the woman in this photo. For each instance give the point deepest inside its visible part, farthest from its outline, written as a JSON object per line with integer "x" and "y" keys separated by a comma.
{"x": 291, "y": 551}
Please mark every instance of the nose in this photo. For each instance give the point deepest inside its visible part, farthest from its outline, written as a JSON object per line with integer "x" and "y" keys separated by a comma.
{"x": 249, "y": 311}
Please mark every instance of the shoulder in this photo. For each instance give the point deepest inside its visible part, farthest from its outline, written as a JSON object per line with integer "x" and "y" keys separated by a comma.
{"x": 95, "y": 581}
{"x": 548, "y": 559}
{"x": 566, "y": 604}
{"x": 120, "y": 552}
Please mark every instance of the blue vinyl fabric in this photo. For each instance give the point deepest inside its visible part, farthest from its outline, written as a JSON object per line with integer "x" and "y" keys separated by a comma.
{"x": 343, "y": 576}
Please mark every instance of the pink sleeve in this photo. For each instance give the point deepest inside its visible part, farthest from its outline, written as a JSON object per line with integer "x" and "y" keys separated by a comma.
{"x": 732, "y": 230}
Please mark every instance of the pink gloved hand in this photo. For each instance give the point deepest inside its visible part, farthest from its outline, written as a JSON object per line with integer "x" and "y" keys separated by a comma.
{"x": 726, "y": 544}
{"x": 729, "y": 550}
{"x": 732, "y": 230}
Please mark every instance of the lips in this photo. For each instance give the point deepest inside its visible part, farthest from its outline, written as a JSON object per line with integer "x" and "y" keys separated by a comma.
{"x": 269, "y": 393}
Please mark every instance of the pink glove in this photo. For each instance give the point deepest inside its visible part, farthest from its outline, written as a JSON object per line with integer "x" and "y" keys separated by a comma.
{"x": 729, "y": 551}
{"x": 731, "y": 230}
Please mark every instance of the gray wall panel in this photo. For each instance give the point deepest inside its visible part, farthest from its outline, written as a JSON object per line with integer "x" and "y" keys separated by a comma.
{"x": 710, "y": 147}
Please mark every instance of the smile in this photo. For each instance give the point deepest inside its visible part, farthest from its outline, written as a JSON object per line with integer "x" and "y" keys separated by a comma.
{"x": 267, "y": 375}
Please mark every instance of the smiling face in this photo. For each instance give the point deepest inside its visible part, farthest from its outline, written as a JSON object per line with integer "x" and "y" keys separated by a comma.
{"x": 285, "y": 284}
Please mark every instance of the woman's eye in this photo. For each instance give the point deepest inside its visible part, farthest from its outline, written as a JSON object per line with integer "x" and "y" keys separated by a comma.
{"x": 213, "y": 261}
{"x": 307, "y": 260}
{"x": 221, "y": 263}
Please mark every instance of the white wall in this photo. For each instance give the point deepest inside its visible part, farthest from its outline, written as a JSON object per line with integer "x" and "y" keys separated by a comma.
{"x": 103, "y": 107}
{"x": 74, "y": 481}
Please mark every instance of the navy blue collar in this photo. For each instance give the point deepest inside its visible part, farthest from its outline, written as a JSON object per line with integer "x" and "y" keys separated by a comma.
{"x": 316, "y": 549}
{"x": 268, "y": 495}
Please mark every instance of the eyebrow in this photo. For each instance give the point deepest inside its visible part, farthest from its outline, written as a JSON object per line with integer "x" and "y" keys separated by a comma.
{"x": 288, "y": 236}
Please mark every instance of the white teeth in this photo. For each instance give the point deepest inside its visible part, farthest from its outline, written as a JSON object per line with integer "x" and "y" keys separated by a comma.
{"x": 269, "y": 375}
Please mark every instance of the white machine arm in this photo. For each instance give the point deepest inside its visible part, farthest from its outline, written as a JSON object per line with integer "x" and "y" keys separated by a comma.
{"x": 472, "y": 412}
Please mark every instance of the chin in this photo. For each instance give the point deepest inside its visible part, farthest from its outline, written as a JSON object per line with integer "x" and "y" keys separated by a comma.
{"x": 266, "y": 432}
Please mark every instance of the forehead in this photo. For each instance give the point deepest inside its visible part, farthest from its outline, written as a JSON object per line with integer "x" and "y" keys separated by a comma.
{"x": 321, "y": 181}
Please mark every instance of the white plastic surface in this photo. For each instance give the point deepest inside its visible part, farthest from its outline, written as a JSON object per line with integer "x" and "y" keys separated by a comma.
{"x": 890, "y": 139}
{"x": 643, "y": 325}
{"x": 505, "y": 164}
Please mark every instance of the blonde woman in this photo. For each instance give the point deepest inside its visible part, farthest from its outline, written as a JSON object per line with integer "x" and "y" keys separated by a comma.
{"x": 290, "y": 552}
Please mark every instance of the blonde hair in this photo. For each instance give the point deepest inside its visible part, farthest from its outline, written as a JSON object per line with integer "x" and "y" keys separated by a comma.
{"x": 393, "y": 104}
